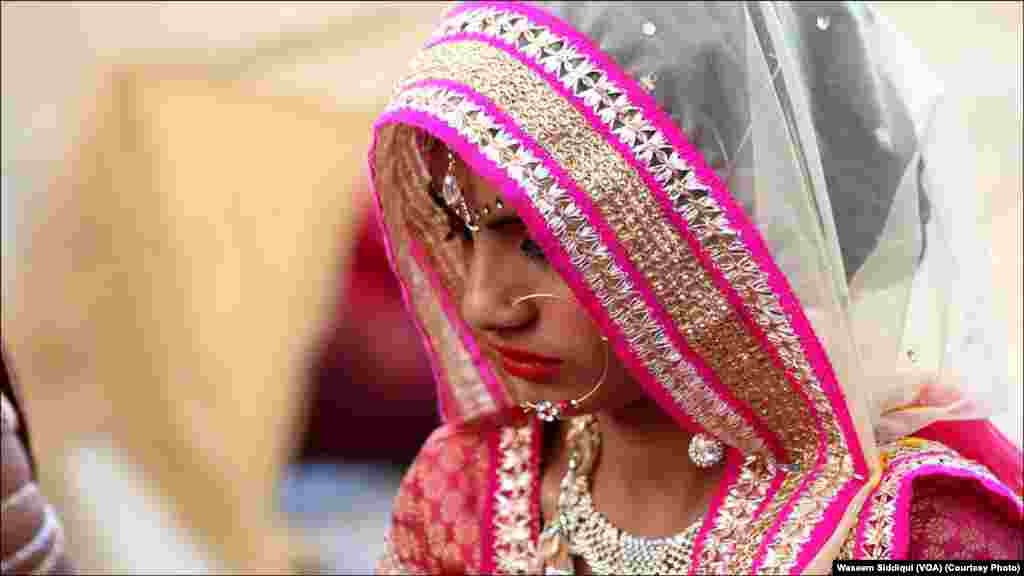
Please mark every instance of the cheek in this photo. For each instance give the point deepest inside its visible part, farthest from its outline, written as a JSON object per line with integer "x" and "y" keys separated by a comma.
{"x": 621, "y": 388}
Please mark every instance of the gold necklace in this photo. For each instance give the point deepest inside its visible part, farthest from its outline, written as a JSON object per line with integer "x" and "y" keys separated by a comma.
{"x": 580, "y": 530}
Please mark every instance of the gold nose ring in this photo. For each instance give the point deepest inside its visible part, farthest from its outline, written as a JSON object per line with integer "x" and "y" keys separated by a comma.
{"x": 551, "y": 411}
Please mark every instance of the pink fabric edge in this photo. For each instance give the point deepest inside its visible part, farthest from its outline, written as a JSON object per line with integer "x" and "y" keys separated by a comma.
{"x": 538, "y": 227}
{"x": 777, "y": 481}
{"x": 813, "y": 348}
{"x": 983, "y": 442}
{"x": 488, "y": 526}
{"x": 733, "y": 463}
{"x": 447, "y": 407}
{"x": 832, "y": 517}
{"x": 494, "y": 388}
{"x": 586, "y": 206}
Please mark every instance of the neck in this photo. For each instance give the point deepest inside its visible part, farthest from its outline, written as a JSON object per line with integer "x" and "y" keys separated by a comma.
{"x": 644, "y": 464}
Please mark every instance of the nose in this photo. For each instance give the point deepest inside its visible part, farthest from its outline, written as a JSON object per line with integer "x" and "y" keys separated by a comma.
{"x": 492, "y": 284}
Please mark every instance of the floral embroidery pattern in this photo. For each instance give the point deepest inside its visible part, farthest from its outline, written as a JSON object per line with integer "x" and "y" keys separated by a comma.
{"x": 435, "y": 525}
{"x": 513, "y": 542}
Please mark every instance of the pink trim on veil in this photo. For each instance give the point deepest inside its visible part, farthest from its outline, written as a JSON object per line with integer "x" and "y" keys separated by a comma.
{"x": 487, "y": 561}
{"x": 901, "y": 541}
{"x": 465, "y": 335}
{"x": 886, "y": 523}
{"x": 981, "y": 441}
{"x": 733, "y": 466}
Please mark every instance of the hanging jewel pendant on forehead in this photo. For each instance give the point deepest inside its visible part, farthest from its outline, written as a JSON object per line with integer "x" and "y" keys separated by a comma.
{"x": 451, "y": 194}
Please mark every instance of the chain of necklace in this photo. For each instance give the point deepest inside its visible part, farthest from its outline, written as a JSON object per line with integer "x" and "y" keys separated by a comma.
{"x": 580, "y": 530}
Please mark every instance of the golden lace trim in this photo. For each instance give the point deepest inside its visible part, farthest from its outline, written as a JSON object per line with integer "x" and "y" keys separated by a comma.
{"x": 514, "y": 547}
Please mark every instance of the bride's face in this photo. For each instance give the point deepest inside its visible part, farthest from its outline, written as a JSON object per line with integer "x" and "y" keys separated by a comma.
{"x": 546, "y": 348}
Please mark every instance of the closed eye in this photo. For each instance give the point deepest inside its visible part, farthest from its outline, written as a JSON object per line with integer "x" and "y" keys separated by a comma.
{"x": 505, "y": 222}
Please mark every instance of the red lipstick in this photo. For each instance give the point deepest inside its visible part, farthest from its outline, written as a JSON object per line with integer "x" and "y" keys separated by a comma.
{"x": 527, "y": 365}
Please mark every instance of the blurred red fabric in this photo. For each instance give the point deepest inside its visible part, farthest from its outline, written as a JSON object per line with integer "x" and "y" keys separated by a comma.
{"x": 373, "y": 390}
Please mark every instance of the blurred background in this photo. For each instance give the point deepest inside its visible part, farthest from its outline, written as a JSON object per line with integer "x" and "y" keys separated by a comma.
{"x": 222, "y": 109}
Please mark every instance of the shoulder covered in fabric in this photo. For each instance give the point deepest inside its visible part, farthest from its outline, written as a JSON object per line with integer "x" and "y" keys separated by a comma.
{"x": 435, "y": 521}
{"x": 931, "y": 503}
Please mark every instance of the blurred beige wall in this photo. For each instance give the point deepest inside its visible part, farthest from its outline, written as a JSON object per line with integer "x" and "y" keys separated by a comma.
{"x": 180, "y": 182}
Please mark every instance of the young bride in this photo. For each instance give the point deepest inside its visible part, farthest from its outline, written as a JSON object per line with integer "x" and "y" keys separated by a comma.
{"x": 686, "y": 276}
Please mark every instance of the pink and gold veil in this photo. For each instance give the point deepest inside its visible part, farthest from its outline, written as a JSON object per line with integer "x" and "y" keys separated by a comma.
{"x": 752, "y": 202}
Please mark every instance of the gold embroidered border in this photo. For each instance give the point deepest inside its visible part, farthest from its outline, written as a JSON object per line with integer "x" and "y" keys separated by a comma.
{"x": 513, "y": 544}
{"x": 717, "y": 554}
{"x": 795, "y": 532}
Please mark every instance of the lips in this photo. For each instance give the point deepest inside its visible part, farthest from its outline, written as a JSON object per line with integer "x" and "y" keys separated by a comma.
{"x": 527, "y": 365}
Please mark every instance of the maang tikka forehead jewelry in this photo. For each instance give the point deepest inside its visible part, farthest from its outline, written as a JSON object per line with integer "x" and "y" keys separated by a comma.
{"x": 548, "y": 411}
{"x": 451, "y": 194}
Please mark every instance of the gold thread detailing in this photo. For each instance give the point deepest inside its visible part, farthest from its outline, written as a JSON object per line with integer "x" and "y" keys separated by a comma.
{"x": 717, "y": 554}
{"x": 513, "y": 543}
{"x": 879, "y": 516}
{"x": 632, "y": 319}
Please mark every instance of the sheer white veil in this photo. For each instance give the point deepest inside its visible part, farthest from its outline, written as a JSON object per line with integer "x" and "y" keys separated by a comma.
{"x": 834, "y": 136}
